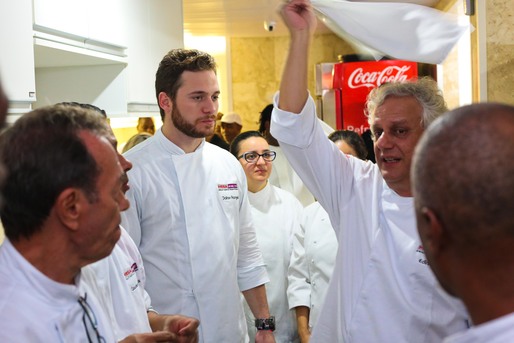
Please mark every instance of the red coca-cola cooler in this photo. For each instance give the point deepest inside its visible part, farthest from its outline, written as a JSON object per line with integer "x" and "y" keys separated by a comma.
{"x": 342, "y": 88}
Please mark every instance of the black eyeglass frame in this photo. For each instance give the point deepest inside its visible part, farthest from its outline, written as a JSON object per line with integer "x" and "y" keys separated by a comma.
{"x": 269, "y": 159}
{"x": 91, "y": 317}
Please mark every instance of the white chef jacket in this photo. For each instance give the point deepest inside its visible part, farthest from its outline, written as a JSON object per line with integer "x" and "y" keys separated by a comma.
{"x": 190, "y": 218}
{"x": 312, "y": 261}
{"x": 118, "y": 282}
{"x": 500, "y": 330}
{"x": 382, "y": 286}
{"x": 283, "y": 176}
{"x": 34, "y": 308}
{"x": 276, "y": 214}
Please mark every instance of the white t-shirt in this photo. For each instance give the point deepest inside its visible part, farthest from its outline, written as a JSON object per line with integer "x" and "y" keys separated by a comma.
{"x": 191, "y": 220}
{"x": 118, "y": 282}
{"x": 34, "y": 308}
{"x": 382, "y": 286}
{"x": 312, "y": 261}
{"x": 276, "y": 214}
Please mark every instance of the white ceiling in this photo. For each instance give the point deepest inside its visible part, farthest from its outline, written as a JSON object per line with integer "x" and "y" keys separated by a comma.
{"x": 244, "y": 18}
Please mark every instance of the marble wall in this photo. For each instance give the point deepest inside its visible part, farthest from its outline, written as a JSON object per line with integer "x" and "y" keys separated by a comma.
{"x": 256, "y": 68}
{"x": 450, "y": 69}
{"x": 257, "y": 64}
{"x": 500, "y": 51}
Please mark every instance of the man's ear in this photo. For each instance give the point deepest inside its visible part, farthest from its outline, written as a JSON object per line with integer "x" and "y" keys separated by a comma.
{"x": 434, "y": 233}
{"x": 68, "y": 207}
{"x": 165, "y": 102}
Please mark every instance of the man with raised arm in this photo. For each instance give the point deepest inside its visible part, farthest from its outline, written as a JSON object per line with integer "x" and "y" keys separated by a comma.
{"x": 382, "y": 289}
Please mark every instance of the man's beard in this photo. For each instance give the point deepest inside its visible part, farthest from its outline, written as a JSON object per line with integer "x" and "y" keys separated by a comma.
{"x": 187, "y": 128}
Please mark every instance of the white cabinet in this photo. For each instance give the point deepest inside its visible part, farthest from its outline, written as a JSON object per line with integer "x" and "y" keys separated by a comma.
{"x": 80, "y": 53}
{"x": 82, "y": 20}
{"x": 154, "y": 27}
{"x": 107, "y": 22}
{"x": 103, "y": 85}
{"x": 17, "y": 57}
{"x": 104, "y": 52}
{"x": 66, "y": 16}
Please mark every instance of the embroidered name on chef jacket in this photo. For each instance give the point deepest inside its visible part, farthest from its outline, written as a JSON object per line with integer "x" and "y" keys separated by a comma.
{"x": 421, "y": 255}
{"x": 131, "y": 277}
{"x": 228, "y": 191}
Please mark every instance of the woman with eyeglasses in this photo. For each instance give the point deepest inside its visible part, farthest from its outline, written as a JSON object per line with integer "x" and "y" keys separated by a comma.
{"x": 276, "y": 215}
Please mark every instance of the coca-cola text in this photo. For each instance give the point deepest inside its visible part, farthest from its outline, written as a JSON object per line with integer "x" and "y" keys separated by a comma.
{"x": 358, "y": 78}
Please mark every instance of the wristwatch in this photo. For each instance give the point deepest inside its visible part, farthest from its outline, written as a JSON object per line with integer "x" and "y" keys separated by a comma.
{"x": 265, "y": 324}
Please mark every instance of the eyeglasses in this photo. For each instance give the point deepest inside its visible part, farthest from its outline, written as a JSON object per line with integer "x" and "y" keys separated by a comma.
{"x": 253, "y": 157}
{"x": 90, "y": 322}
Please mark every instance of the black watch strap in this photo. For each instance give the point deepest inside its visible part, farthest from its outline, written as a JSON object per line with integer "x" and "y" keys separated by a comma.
{"x": 265, "y": 324}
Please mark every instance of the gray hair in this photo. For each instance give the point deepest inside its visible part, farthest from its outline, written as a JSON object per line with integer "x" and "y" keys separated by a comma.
{"x": 425, "y": 90}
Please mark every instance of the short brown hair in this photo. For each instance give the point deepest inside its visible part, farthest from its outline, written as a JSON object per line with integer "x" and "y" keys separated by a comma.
{"x": 168, "y": 76}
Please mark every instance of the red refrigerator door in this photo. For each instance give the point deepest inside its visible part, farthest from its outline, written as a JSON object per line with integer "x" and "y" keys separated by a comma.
{"x": 357, "y": 79}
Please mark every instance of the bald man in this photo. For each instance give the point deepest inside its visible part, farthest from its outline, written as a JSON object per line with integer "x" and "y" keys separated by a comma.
{"x": 463, "y": 185}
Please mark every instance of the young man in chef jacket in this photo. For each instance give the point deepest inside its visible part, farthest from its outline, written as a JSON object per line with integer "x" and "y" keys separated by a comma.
{"x": 190, "y": 216}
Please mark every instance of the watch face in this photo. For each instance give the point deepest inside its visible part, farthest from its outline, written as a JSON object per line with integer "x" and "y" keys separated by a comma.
{"x": 265, "y": 324}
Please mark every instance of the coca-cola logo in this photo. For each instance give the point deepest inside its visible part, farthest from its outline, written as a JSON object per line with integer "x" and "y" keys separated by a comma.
{"x": 358, "y": 78}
